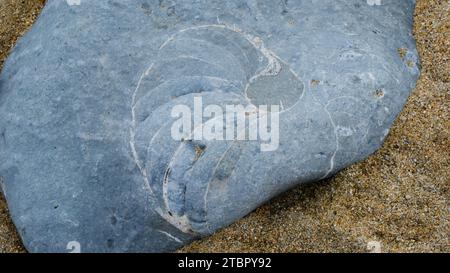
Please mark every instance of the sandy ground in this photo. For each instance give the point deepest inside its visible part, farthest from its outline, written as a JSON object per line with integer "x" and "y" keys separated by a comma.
{"x": 398, "y": 198}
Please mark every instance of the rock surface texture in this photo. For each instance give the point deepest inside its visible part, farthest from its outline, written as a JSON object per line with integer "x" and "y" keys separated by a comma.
{"x": 86, "y": 153}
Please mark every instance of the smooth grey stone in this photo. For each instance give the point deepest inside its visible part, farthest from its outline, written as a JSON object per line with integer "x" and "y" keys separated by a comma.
{"x": 85, "y": 98}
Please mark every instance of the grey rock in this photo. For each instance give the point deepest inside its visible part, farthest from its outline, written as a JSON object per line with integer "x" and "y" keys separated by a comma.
{"x": 86, "y": 154}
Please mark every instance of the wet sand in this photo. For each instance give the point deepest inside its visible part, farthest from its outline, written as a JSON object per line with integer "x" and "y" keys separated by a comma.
{"x": 398, "y": 198}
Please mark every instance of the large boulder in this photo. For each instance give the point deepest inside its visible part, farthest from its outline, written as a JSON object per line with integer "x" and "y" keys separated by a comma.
{"x": 88, "y": 156}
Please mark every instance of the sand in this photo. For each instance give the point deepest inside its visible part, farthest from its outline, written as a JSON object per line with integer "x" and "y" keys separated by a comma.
{"x": 397, "y": 199}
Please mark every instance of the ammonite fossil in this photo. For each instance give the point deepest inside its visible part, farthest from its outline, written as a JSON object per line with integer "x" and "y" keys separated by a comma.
{"x": 87, "y": 149}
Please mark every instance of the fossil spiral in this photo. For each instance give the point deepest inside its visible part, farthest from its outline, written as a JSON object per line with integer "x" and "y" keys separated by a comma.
{"x": 224, "y": 66}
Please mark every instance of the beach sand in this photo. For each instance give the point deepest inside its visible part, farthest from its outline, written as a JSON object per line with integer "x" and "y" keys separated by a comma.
{"x": 397, "y": 199}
